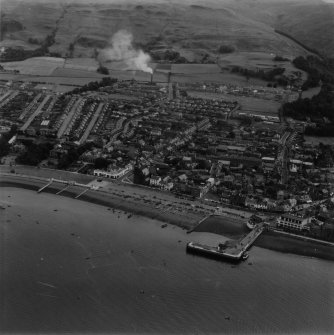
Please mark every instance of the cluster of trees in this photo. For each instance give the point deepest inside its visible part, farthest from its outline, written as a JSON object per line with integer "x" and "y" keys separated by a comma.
{"x": 32, "y": 40}
{"x": 317, "y": 108}
{"x": 325, "y": 157}
{"x": 225, "y": 49}
{"x": 101, "y": 163}
{"x": 170, "y": 56}
{"x": 103, "y": 70}
{"x": 73, "y": 155}
{"x": 18, "y": 54}
{"x": 94, "y": 85}
{"x": 34, "y": 153}
{"x": 317, "y": 70}
{"x": 325, "y": 130}
{"x": 4, "y": 138}
{"x": 275, "y": 74}
{"x": 278, "y": 58}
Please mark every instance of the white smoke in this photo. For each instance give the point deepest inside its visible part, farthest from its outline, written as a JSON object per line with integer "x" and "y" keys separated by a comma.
{"x": 122, "y": 49}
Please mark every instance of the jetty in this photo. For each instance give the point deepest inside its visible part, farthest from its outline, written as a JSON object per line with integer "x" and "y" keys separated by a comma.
{"x": 45, "y": 186}
{"x": 199, "y": 222}
{"x": 81, "y": 193}
{"x": 230, "y": 250}
{"x": 63, "y": 189}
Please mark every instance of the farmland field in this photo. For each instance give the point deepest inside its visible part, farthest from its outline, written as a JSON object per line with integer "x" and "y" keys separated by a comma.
{"x": 79, "y": 72}
{"x": 86, "y": 64}
{"x": 76, "y": 73}
{"x": 55, "y": 88}
{"x": 46, "y": 79}
{"x": 248, "y": 104}
{"x": 42, "y": 66}
{"x": 195, "y": 68}
{"x": 260, "y": 60}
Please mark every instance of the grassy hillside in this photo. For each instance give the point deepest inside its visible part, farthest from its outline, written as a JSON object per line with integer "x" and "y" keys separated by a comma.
{"x": 193, "y": 27}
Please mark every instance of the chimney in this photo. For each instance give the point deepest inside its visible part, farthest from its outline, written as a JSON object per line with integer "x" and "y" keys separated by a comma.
{"x": 152, "y": 77}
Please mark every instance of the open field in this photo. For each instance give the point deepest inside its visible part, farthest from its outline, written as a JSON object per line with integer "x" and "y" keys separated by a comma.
{"x": 47, "y": 79}
{"x": 85, "y": 68}
{"x": 55, "y": 87}
{"x": 258, "y": 60}
{"x": 247, "y": 104}
{"x": 8, "y": 43}
{"x": 195, "y": 68}
{"x": 261, "y": 106}
{"x": 219, "y": 77}
{"x": 76, "y": 73}
{"x": 87, "y": 64}
{"x": 42, "y": 66}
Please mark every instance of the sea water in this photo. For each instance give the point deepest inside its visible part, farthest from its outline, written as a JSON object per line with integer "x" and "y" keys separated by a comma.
{"x": 68, "y": 265}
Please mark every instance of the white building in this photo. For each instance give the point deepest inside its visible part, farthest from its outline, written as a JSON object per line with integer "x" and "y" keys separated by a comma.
{"x": 155, "y": 181}
{"x": 114, "y": 174}
{"x": 294, "y": 221}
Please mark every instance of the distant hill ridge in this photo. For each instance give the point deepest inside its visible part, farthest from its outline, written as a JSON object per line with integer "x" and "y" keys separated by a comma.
{"x": 193, "y": 27}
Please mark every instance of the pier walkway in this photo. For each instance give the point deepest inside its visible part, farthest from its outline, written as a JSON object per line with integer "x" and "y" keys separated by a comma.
{"x": 236, "y": 249}
{"x": 251, "y": 237}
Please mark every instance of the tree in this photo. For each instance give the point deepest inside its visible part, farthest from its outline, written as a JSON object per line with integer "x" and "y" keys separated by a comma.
{"x": 101, "y": 163}
{"x": 103, "y": 70}
{"x": 35, "y": 153}
{"x": 223, "y": 49}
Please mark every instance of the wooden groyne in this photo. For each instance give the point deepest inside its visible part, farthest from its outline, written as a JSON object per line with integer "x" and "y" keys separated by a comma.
{"x": 198, "y": 223}
{"x": 45, "y": 186}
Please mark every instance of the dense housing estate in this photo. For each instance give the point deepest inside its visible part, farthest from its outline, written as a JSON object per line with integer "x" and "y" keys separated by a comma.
{"x": 171, "y": 138}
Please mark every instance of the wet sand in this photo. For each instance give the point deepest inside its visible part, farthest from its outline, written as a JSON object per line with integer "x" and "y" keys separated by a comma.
{"x": 176, "y": 214}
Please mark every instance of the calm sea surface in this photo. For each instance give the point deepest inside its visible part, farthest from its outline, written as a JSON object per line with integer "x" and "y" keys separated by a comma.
{"x": 68, "y": 265}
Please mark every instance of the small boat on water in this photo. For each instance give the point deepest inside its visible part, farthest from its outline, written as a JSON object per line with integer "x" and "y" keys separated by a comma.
{"x": 164, "y": 225}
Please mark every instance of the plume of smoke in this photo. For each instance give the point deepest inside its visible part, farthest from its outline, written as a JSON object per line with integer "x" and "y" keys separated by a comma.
{"x": 122, "y": 49}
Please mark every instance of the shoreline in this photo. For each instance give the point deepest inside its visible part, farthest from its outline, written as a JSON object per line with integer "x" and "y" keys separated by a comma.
{"x": 105, "y": 199}
{"x": 289, "y": 244}
{"x": 269, "y": 240}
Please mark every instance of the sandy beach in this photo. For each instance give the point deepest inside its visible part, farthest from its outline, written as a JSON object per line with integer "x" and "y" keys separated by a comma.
{"x": 165, "y": 207}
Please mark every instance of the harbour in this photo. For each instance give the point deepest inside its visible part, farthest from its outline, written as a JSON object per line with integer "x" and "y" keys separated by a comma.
{"x": 230, "y": 250}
